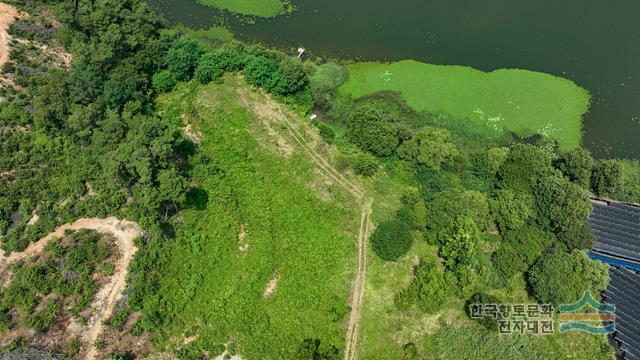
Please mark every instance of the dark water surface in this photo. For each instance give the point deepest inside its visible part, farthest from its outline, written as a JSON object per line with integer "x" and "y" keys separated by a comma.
{"x": 595, "y": 43}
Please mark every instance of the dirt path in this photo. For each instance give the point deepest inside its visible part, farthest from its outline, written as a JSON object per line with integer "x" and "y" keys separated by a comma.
{"x": 125, "y": 233}
{"x": 351, "y": 348}
{"x": 7, "y": 15}
{"x": 270, "y": 110}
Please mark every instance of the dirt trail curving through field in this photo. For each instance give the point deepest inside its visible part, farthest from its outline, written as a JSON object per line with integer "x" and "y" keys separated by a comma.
{"x": 270, "y": 110}
{"x": 8, "y": 14}
{"x": 125, "y": 233}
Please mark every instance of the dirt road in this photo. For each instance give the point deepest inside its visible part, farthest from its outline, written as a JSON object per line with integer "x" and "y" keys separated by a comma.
{"x": 125, "y": 233}
{"x": 270, "y": 110}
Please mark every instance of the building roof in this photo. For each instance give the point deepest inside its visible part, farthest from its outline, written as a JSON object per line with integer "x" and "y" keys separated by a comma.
{"x": 616, "y": 227}
{"x": 624, "y": 293}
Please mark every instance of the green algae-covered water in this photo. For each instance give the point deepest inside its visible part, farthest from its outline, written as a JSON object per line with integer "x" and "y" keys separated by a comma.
{"x": 595, "y": 43}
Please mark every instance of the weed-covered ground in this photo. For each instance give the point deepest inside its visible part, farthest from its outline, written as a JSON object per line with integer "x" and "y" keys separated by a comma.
{"x": 520, "y": 101}
{"x": 264, "y": 256}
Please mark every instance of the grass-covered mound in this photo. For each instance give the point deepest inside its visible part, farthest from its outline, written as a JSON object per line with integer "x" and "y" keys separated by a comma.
{"x": 263, "y": 257}
{"x": 520, "y": 101}
{"x": 261, "y": 8}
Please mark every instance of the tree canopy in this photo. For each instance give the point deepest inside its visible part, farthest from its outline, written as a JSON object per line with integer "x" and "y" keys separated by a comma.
{"x": 561, "y": 278}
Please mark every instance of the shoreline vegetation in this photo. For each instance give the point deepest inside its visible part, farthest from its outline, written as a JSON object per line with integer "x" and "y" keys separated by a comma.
{"x": 505, "y": 100}
{"x": 258, "y": 8}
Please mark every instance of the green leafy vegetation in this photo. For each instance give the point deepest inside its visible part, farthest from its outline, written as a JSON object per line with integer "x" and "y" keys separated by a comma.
{"x": 61, "y": 282}
{"x": 252, "y": 223}
{"x": 391, "y": 239}
{"x": 85, "y": 141}
{"x": 249, "y": 245}
{"x": 562, "y": 278}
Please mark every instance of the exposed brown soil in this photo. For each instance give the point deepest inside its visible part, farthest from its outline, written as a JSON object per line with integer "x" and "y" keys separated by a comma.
{"x": 8, "y": 14}
{"x": 125, "y": 233}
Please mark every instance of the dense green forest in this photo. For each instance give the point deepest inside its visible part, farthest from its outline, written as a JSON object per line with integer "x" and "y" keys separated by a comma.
{"x": 209, "y": 145}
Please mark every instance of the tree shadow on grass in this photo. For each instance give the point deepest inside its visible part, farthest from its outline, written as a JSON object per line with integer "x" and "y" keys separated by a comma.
{"x": 197, "y": 199}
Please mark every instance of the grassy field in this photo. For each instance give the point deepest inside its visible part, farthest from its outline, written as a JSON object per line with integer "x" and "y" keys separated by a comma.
{"x": 520, "y": 101}
{"x": 261, "y": 8}
{"x": 264, "y": 257}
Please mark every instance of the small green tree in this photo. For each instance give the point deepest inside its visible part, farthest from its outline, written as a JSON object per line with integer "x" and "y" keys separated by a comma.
{"x": 324, "y": 82}
{"x": 524, "y": 167}
{"x": 577, "y": 165}
{"x": 364, "y": 164}
{"x": 163, "y": 81}
{"x": 368, "y": 129}
{"x": 209, "y": 68}
{"x": 607, "y": 178}
{"x": 85, "y": 81}
{"x": 182, "y": 58}
{"x": 428, "y": 288}
{"x": 392, "y": 239}
{"x": 563, "y": 208}
{"x": 561, "y": 277}
{"x": 172, "y": 187}
{"x": 512, "y": 209}
{"x": 460, "y": 242}
{"x": 429, "y": 146}
{"x": 508, "y": 262}
{"x": 293, "y": 72}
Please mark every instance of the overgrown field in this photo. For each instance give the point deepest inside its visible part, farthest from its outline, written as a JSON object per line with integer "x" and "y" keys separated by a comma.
{"x": 261, "y": 8}
{"x": 263, "y": 257}
{"x": 520, "y": 101}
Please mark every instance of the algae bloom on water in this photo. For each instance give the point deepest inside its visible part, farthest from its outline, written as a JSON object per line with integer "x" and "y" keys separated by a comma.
{"x": 521, "y": 101}
{"x": 260, "y": 8}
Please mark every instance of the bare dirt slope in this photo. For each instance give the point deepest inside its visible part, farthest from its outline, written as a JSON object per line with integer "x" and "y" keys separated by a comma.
{"x": 125, "y": 233}
{"x": 7, "y": 15}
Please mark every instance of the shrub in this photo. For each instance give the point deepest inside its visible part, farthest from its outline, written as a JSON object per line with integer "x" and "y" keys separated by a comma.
{"x": 326, "y": 132}
{"x": 182, "y": 58}
{"x": 324, "y": 83}
{"x": 163, "y": 81}
{"x": 448, "y": 205}
{"x": 429, "y": 146}
{"x": 367, "y": 128}
{"x": 524, "y": 167}
{"x": 529, "y": 242}
{"x": 508, "y": 262}
{"x": 563, "y": 277}
{"x": 231, "y": 60}
{"x": 563, "y": 208}
{"x": 428, "y": 289}
{"x": 264, "y": 73}
{"x": 293, "y": 73}
{"x": 577, "y": 165}
{"x": 364, "y": 164}
{"x": 410, "y": 352}
{"x": 208, "y": 69}
{"x": 392, "y": 239}
{"x": 607, "y": 177}
{"x": 512, "y": 209}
